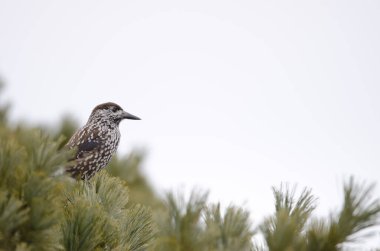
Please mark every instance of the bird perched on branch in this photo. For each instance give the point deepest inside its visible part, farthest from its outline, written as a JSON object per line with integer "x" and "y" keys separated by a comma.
{"x": 97, "y": 141}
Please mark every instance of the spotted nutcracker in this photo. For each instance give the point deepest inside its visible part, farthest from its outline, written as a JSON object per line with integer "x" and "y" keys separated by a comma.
{"x": 97, "y": 141}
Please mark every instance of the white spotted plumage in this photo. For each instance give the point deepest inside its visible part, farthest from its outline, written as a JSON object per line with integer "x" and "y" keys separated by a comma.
{"x": 97, "y": 141}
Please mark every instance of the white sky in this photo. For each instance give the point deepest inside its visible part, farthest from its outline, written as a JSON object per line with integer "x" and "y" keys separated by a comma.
{"x": 235, "y": 96}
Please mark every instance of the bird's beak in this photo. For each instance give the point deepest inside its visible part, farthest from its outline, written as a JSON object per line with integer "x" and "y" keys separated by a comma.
{"x": 127, "y": 115}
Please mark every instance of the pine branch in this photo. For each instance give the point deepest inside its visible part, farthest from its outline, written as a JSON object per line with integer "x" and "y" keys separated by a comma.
{"x": 284, "y": 229}
{"x": 97, "y": 217}
{"x": 359, "y": 212}
{"x": 13, "y": 215}
{"x": 138, "y": 228}
{"x": 230, "y": 232}
{"x": 180, "y": 222}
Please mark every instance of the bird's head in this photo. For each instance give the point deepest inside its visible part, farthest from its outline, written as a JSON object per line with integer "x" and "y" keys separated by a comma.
{"x": 111, "y": 112}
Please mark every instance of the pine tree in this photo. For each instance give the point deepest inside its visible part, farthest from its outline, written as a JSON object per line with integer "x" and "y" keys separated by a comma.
{"x": 293, "y": 228}
{"x": 97, "y": 217}
{"x": 41, "y": 208}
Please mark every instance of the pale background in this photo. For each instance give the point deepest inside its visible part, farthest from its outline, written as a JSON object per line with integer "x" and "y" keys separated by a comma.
{"x": 235, "y": 96}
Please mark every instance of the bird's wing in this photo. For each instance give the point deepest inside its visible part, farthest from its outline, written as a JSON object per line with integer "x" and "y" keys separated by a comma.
{"x": 87, "y": 147}
{"x": 85, "y": 142}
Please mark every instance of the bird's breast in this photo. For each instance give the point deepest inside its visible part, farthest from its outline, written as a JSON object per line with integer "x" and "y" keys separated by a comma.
{"x": 111, "y": 137}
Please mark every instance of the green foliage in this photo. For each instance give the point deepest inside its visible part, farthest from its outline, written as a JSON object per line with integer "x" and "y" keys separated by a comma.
{"x": 359, "y": 212}
{"x": 196, "y": 225}
{"x": 97, "y": 217}
{"x": 30, "y": 206}
{"x": 4, "y": 108}
{"x": 292, "y": 228}
{"x": 284, "y": 229}
{"x": 128, "y": 168}
{"x": 232, "y": 231}
{"x": 65, "y": 129}
{"x": 179, "y": 222}
{"x": 137, "y": 230}
{"x": 43, "y": 209}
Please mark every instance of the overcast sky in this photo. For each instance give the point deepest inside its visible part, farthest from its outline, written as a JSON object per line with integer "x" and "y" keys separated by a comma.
{"x": 235, "y": 96}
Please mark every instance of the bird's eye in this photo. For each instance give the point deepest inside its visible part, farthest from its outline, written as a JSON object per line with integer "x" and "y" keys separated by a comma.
{"x": 114, "y": 109}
